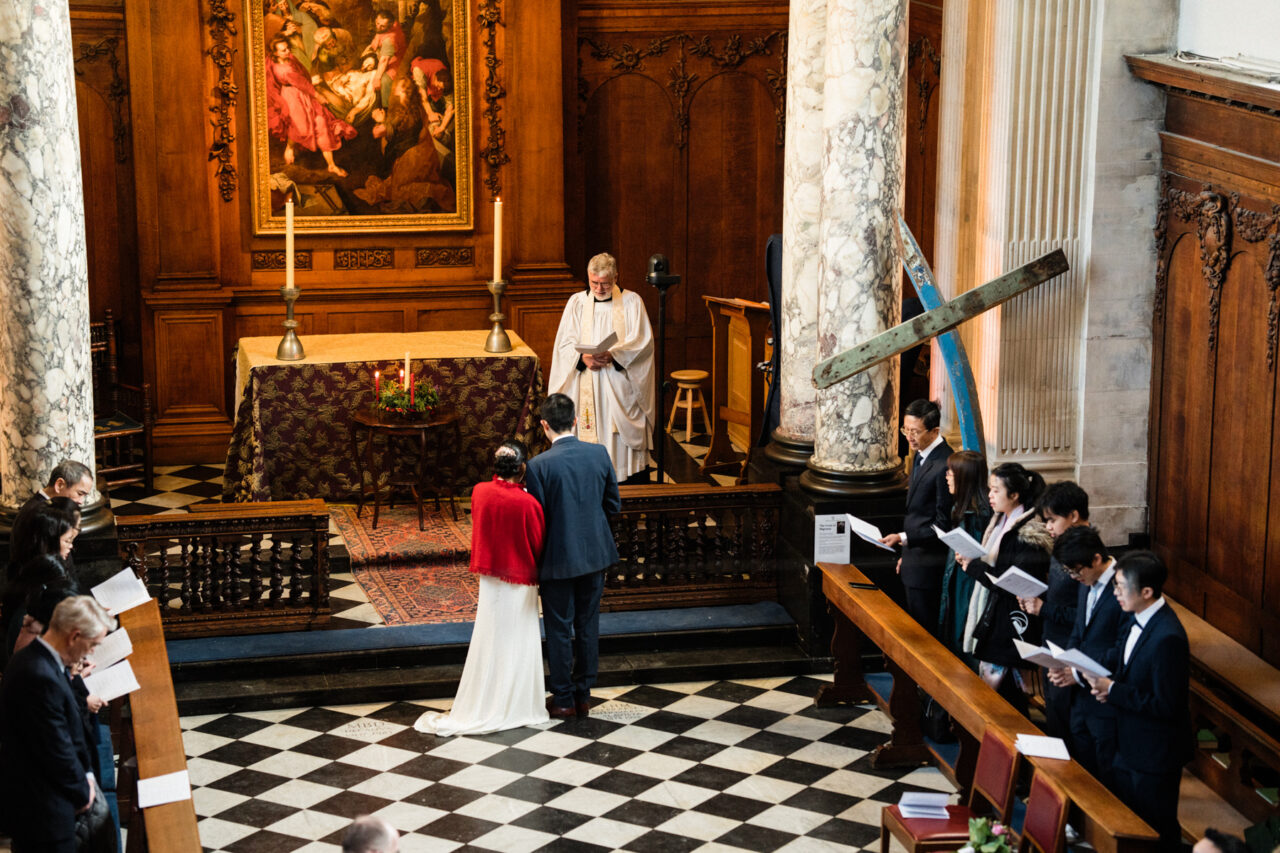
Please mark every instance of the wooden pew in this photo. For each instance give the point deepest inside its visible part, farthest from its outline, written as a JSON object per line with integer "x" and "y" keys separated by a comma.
{"x": 1235, "y": 695}
{"x": 153, "y": 736}
{"x": 915, "y": 657}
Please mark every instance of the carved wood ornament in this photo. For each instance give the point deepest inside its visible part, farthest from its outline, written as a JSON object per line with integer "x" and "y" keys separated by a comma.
{"x": 363, "y": 259}
{"x": 117, "y": 89}
{"x": 274, "y": 260}
{"x": 221, "y": 30}
{"x": 921, "y": 59}
{"x": 681, "y": 82}
{"x": 444, "y": 256}
{"x": 1218, "y": 218}
{"x": 494, "y": 152}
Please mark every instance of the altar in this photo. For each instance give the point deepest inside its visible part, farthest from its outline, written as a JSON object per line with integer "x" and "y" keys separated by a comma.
{"x": 292, "y": 435}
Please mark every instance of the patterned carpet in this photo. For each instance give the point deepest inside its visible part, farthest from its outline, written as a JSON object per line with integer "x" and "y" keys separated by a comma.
{"x": 418, "y": 594}
{"x": 397, "y": 541}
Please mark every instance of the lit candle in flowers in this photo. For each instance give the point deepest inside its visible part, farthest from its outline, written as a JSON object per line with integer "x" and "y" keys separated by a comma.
{"x": 377, "y": 384}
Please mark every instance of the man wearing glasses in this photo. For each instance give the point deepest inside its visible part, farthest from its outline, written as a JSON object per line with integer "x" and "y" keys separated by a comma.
{"x": 924, "y": 558}
{"x": 1149, "y": 687}
{"x": 1092, "y": 725}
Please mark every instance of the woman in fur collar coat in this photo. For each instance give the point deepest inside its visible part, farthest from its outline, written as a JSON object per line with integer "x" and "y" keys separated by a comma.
{"x": 1015, "y": 537}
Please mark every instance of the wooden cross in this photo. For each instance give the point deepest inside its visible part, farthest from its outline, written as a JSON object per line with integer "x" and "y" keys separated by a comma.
{"x": 939, "y": 320}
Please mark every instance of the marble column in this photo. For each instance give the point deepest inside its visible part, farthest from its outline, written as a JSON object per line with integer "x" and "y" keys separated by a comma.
{"x": 859, "y": 268}
{"x": 46, "y": 404}
{"x": 792, "y": 442}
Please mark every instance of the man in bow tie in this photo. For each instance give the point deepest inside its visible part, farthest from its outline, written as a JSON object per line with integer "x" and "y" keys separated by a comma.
{"x": 1148, "y": 690}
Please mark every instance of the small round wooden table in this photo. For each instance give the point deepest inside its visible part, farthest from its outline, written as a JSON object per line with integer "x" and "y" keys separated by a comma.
{"x": 373, "y": 423}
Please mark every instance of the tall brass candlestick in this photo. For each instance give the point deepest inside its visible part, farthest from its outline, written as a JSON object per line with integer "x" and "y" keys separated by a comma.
{"x": 497, "y": 340}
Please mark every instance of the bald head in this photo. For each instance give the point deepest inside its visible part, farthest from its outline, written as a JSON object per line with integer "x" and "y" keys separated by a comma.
{"x": 369, "y": 834}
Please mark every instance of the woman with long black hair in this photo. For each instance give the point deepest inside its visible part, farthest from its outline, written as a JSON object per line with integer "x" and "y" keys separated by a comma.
{"x": 1015, "y": 537}
{"x": 967, "y": 482}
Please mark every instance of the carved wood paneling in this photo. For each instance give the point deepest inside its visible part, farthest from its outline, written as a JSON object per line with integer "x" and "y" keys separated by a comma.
{"x": 444, "y": 256}
{"x": 494, "y": 154}
{"x": 364, "y": 259}
{"x": 222, "y": 30}
{"x": 1215, "y": 428}
{"x": 189, "y": 365}
{"x": 112, "y": 86}
{"x": 275, "y": 260}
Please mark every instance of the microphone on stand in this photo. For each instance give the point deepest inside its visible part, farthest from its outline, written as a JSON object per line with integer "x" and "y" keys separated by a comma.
{"x": 660, "y": 276}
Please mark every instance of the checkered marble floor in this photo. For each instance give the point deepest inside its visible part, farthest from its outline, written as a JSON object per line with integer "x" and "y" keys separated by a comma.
{"x": 706, "y": 766}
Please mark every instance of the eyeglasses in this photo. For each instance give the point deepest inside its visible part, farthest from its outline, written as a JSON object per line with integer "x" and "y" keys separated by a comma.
{"x": 1074, "y": 571}
{"x": 914, "y": 433}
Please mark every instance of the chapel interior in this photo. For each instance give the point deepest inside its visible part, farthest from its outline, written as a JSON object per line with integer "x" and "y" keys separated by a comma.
{"x": 144, "y": 194}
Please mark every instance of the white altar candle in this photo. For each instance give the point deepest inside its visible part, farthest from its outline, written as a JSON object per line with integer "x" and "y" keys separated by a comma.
{"x": 497, "y": 240}
{"x": 288, "y": 243}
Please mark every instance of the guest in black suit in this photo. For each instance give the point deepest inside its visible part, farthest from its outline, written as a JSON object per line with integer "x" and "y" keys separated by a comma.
{"x": 1063, "y": 505}
{"x": 924, "y": 557}
{"x": 1149, "y": 691}
{"x": 70, "y": 479}
{"x": 46, "y": 768}
{"x": 576, "y": 485}
{"x": 1091, "y": 726}
{"x": 46, "y": 544}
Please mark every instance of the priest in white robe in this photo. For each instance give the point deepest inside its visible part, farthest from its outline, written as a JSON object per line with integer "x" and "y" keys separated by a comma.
{"x": 612, "y": 391}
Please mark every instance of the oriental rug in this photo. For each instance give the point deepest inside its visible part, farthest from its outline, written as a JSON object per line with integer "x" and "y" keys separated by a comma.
{"x": 421, "y": 593}
{"x": 411, "y": 576}
{"x": 397, "y": 541}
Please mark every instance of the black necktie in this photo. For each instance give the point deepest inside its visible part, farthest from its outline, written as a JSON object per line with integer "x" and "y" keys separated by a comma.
{"x": 916, "y": 464}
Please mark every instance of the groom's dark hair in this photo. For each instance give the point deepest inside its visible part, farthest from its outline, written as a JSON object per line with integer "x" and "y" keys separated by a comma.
{"x": 557, "y": 411}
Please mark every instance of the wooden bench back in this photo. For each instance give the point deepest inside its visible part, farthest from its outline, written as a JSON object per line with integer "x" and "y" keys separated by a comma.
{"x": 152, "y": 740}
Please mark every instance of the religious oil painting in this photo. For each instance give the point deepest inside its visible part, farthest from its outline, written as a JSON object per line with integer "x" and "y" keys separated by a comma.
{"x": 361, "y": 113}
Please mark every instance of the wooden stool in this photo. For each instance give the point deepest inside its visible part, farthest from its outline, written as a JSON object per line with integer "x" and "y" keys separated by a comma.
{"x": 689, "y": 384}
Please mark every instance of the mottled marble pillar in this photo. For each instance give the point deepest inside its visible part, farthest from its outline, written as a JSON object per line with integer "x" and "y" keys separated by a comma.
{"x": 46, "y": 402}
{"x": 792, "y": 442}
{"x": 859, "y": 269}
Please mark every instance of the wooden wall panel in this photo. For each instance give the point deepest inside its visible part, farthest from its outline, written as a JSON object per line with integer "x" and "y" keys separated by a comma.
{"x": 1186, "y": 398}
{"x": 189, "y": 365}
{"x": 440, "y": 319}
{"x": 1242, "y": 386}
{"x": 359, "y": 322}
{"x": 1215, "y": 473}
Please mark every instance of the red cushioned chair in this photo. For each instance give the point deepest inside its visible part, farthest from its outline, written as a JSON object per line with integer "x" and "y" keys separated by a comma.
{"x": 1045, "y": 826}
{"x": 991, "y": 795}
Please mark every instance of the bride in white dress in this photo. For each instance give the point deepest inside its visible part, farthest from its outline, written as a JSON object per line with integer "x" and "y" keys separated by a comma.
{"x": 501, "y": 685}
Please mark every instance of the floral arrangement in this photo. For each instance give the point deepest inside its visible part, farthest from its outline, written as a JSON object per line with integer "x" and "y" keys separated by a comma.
{"x": 986, "y": 836}
{"x": 420, "y": 397}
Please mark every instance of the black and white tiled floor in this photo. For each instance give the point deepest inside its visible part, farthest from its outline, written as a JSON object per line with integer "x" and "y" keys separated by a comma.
{"x": 708, "y": 766}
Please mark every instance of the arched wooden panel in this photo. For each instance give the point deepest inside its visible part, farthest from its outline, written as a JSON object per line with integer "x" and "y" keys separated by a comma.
{"x": 1241, "y": 432}
{"x": 630, "y": 170}
{"x": 101, "y": 201}
{"x": 1180, "y": 509}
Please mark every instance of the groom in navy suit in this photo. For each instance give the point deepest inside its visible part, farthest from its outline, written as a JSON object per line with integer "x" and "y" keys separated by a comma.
{"x": 575, "y": 483}
{"x": 1149, "y": 687}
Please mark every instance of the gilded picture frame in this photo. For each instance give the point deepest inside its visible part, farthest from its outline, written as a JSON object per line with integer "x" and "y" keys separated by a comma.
{"x": 361, "y": 111}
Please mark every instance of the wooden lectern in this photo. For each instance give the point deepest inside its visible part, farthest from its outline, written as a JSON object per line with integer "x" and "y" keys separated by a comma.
{"x": 739, "y": 328}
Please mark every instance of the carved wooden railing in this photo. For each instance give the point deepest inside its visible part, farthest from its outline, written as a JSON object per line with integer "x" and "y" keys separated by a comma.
{"x": 234, "y": 568}
{"x": 681, "y": 546}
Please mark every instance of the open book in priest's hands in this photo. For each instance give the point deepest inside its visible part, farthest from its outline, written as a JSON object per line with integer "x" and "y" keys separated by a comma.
{"x": 596, "y": 349}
